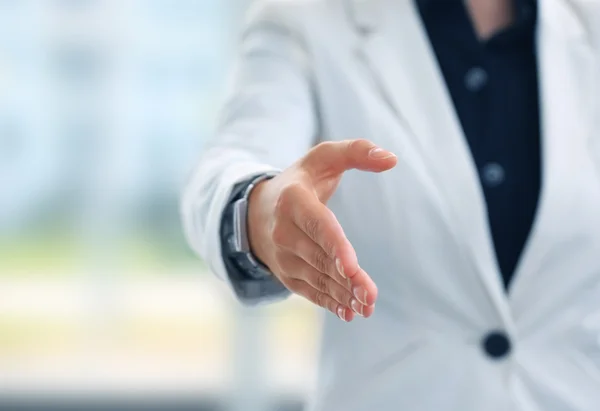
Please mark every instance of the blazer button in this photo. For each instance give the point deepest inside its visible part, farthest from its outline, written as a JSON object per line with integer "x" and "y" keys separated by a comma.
{"x": 496, "y": 345}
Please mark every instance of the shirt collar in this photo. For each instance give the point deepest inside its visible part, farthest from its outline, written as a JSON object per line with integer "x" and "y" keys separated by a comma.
{"x": 525, "y": 8}
{"x": 525, "y": 20}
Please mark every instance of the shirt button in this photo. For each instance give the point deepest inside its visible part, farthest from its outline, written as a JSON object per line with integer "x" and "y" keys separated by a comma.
{"x": 493, "y": 174}
{"x": 496, "y": 345}
{"x": 476, "y": 78}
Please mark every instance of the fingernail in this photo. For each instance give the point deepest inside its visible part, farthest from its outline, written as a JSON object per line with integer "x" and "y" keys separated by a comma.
{"x": 379, "y": 153}
{"x": 338, "y": 265}
{"x": 341, "y": 311}
{"x": 357, "y": 307}
{"x": 361, "y": 294}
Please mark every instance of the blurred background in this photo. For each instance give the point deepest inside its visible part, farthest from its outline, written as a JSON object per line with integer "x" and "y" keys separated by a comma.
{"x": 104, "y": 107}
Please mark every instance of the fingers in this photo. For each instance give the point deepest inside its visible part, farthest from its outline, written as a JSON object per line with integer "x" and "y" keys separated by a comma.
{"x": 321, "y": 226}
{"x": 323, "y": 283}
{"x": 299, "y": 244}
{"x": 304, "y": 260}
{"x": 321, "y": 299}
{"x": 363, "y": 287}
{"x": 332, "y": 158}
{"x": 316, "y": 259}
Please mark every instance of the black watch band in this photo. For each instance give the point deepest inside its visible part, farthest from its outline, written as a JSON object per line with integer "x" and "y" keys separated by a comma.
{"x": 234, "y": 239}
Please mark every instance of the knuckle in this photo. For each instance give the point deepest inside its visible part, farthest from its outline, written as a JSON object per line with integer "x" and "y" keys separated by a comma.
{"x": 329, "y": 249}
{"x": 321, "y": 299}
{"x": 359, "y": 143}
{"x": 321, "y": 261}
{"x": 362, "y": 142}
{"x": 286, "y": 199}
{"x": 328, "y": 244}
{"x": 282, "y": 206}
{"x": 291, "y": 189}
{"x": 358, "y": 146}
{"x": 351, "y": 144}
{"x": 319, "y": 151}
{"x": 312, "y": 227}
{"x": 322, "y": 283}
{"x": 279, "y": 234}
{"x": 325, "y": 145}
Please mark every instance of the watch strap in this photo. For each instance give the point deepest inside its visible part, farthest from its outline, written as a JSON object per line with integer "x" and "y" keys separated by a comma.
{"x": 239, "y": 255}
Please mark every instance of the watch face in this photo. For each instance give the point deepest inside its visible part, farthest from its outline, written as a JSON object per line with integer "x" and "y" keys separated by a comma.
{"x": 240, "y": 231}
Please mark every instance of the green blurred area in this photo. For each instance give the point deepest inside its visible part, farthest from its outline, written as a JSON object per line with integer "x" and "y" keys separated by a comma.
{"x": 69, "y": 234}
{"x": 60, "y": 252}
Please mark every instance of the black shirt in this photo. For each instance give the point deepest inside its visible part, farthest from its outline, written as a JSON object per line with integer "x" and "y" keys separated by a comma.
{"x": 494, "y": 87}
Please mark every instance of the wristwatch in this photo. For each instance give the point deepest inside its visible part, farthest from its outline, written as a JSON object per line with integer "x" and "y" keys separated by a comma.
{"x": 235, "y": 228}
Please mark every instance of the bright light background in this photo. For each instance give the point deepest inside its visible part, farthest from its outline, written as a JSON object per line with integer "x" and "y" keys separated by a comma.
{"x": 104, "y": 107}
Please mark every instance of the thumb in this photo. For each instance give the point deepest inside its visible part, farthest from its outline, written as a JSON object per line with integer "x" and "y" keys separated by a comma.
{"x": 335, "y": 157}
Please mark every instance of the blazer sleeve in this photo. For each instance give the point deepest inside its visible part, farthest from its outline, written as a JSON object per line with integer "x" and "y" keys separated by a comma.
{"x": 267, "y": 122}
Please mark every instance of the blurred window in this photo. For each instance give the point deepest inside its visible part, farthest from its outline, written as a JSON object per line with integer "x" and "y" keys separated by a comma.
{"x": 105, "y": 105}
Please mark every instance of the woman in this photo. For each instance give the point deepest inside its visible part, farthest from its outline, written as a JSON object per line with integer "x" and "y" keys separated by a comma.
{"x": 477, "y": 238}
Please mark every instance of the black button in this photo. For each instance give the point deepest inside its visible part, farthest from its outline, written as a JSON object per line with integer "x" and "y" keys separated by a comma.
{"x": 475, "y": 79}
{"x": 493, "y": 174}
{"x": 496, "y": 344}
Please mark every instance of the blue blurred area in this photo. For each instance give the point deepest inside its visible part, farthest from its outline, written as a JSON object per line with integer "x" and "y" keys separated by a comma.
{"x": 105, "y": 96}
{"x": 105, "y": 105}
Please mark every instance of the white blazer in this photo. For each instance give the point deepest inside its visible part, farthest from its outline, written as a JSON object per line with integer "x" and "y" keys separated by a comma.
{"x": 312, "y": 70}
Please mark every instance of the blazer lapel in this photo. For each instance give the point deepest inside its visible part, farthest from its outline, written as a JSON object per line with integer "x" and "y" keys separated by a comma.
{"x": 392, "y": 45}
{"x": 570, "y": 84}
